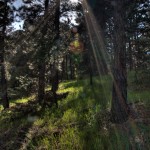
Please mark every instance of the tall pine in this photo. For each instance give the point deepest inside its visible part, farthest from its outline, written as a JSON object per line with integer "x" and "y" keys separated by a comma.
{"x": 3, "y": 80}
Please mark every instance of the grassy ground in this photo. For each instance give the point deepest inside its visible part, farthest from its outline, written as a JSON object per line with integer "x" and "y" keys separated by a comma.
{"x": 80, "y": 123}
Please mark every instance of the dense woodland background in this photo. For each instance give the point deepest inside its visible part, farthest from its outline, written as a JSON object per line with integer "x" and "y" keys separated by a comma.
{"x": 52, "y": 98}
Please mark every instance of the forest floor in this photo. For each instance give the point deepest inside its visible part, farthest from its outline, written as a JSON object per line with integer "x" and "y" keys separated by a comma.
{"x": 81, "y": 121}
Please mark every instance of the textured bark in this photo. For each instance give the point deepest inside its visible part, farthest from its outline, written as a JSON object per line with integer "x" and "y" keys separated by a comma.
{"x": 130, "y": 56}
{"x": 41, "y": 82}
{"x": 55, "y": 80}
{"x": 42, "y": 63}
{"x": 119, "y": 107}
{"x": 3, "y": 80}
{"x": 55, "y": 83}
{"x": 71, "y": 70}
{"x": 66, "y": 66}
{"x": 90, "y": 72}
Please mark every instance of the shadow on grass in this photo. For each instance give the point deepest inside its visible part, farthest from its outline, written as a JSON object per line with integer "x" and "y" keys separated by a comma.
{"x": 89, "y": 106}
{"x": 83, "y": 106}
{"x": 87, "y": 95}
{"x": 15, "y": 124}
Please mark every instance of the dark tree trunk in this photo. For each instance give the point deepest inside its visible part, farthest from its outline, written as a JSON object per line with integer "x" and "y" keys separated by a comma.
{"x": 63, "y": 71}
{"x": 55, "y": 81}
{"x": 89, "y": 62}
{"x": 97, "y": 42}
{"x": 71, "y": 69}
{"x": 130, "y": 56}
{"x": 90, "y": 71}
{"x": 42, "y": 63}
{"x": 41, "y": 82}
{"x": 57, "y": 16}
{"x": 3, "y": 80}
{"x": 119, "y": 108}
{"x": 66, "y": 66}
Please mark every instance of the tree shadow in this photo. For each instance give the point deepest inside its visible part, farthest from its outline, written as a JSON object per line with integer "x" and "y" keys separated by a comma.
{"x": 15, "y": 125}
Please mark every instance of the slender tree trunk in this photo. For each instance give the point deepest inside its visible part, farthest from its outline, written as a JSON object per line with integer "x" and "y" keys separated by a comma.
{"x": 130, "y": 56}
{"x": 66, "y": 66}
{"x": 119, "y": 108}
{"x": 63, "y": 70}
{"x": 89, "y": 63}
{"x": 90, "y": 71}
{"x": 41, "y": 82}
{"x": 42, "y": 63}
{"x": 55, "y": 80}
{"x": 72, "y": 69}
{"x": 55, "y": 83}
{"x": 3, "y": 80}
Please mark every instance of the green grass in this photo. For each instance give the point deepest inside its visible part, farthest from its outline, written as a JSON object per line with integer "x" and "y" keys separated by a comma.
{"x": 14, "y": 102}
{"x": 138, "y": 90}
{"x": 139, "y": 96}
{"x": 81, "y": 121}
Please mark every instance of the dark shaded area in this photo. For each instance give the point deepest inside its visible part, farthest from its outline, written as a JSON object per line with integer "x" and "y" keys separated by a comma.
{"x": 51, "y": 98}
{"x": 14, "y": 126}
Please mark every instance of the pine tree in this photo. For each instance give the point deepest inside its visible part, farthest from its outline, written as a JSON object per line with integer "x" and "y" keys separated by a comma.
{"x": 119, "y": 108}
{"x": 3, "y": 80}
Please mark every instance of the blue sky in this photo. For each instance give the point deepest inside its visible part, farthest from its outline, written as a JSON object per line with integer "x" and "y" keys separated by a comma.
{"x": 19, "y": 25}
{"x": 18, "y": 3}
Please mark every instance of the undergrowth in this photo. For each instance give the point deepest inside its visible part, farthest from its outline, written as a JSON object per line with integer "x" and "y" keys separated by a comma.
{"x": 80, "y": 123}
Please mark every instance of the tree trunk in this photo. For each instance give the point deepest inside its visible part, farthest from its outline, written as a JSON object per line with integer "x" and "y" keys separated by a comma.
{"x": 119, "y": 108}
{"x": 42, "y": 63}
{"x": 130, "y": 56}
{"x": 96, "y": 34}
{"x": 72, "y": 70}
{"x": 3, "y": 80}
{"x": 66, "y": 66}
{"x": 90, "y": 71}
{"x": 63, "y": 71}
{"x": 55, "y": 81}
{"x": 41, "y": 82}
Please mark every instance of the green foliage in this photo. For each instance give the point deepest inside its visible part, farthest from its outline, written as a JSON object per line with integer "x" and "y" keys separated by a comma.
{"x": 82, "y": 120}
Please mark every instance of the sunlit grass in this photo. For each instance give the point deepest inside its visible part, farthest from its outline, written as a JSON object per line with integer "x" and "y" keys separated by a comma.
{"x": 39, "y": 122}
{"x": 23, "y": 100}
{"x": 74, "y": 125}
{"x": 19, "y": 101}
{"x": 1, "y": 107}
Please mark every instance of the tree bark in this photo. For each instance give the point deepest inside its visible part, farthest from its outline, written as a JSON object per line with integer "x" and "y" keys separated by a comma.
{"x": 42, "y": 63}
{"x": 66, "y": 66}
{"x": 72, "y": 68}
{"x": 130, "y": 56}
{"x": 41, "y": 82}
{"x": 90, "y": 71}
{"x": 55, "y": 81}
{"x": 119, "y": 108}
{"x": 3, "y": 80}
